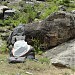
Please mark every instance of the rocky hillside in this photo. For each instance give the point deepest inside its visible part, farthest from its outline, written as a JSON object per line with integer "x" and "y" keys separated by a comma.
{"x": 54, "y": 30}
{"x": 44, "y": 27}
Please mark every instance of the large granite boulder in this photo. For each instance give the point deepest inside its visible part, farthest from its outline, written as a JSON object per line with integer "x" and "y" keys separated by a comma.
{"x": 63, "y": 55}
{"x": 55, "y": 29}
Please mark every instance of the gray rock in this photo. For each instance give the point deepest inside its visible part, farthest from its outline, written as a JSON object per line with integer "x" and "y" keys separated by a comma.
{"x": 63, "y": 55}
{"x": 62, "y": 8}
{"x": 1, "y": 14}
{"x": 54, "y": 30}
{"x": 4, "y": 36}
{"x": 2, "y": 9}
{"x": 16, "y": 38}
{"x": 17, "y": 34}
{"x": 8, "y": 13}
{"x": 66, "y": 58}
{"x": 73, "y": 11}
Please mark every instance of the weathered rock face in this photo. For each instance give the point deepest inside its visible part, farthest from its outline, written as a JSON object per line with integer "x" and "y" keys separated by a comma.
{"x": 55, "y": 29}
{"x": 17, "y": 34}
{"x": 63, "y": 55}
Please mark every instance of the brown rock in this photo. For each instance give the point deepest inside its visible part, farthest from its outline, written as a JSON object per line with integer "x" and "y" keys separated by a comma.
{"x": 55, "y": 29}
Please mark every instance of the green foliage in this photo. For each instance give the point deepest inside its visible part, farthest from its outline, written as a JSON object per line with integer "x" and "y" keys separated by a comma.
{"x": 4, "y": 3}
{"x": 30, "y": 13}
{"x": 73, "y": 69}
{"x": 39, "y": 7}
{"x": 27, "y": 13}
{"x": 44, "y": 60}
{"x": 49, "y": 0}
{"x": 3, "y": 48}
{"x": 65, "y": 2}
{"x": 1, "y": 22}
{"x": 72, "y": 5}
{"x": 37, "y": 46}
{"x": 7, "y": 22}
{"x": 21, "y": 3}
{"x": 66, "y": 73}
{"x": 48, "y": 11}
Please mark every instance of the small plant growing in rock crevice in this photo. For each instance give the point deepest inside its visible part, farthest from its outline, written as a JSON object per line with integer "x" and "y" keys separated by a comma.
{"x": 37, "y": 46}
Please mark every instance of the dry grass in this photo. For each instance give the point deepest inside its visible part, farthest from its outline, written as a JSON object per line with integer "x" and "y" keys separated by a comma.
{"x": 31, "y": 68}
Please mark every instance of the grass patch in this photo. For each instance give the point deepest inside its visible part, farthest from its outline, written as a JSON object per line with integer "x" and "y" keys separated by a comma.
{"x": 3, "y": 47}
{"x": 44, "y": 60}
{"x": 29, "y": 66}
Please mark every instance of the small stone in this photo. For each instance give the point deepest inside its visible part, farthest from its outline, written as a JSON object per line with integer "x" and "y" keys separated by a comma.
{"x": 29, "y": 73}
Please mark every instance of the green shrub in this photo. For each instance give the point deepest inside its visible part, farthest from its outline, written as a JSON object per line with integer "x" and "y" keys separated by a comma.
{"x": 44, "y": 60}
{"x": 7, "y": 22}
{"x": 21, "y": 3}
{"x": 48, "y": 11}
{"x": 4, "y": 3}
{"x": 37, "y": 46}
{"x": 65, "y": 2}
{"x": 49, "y": 0}
{"x": 1, "y": 22}
{"x": 66, "y": 73}
{"x": 3, "y": 48}
{"x": 23, "y": 18}
{"x": 28, "y": 12}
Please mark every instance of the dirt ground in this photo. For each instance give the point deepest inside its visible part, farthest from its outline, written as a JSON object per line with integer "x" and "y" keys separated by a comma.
{"x": 30, "y": 67}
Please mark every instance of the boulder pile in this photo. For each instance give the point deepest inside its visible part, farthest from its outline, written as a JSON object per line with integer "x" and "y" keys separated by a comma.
{"x": 56, "y": 29}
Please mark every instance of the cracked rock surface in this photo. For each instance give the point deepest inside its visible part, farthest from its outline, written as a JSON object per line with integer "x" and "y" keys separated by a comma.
{"x": 63, "y": 55}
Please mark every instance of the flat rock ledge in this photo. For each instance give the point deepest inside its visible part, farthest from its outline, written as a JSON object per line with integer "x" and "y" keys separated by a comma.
{"x": 63, "y": 55}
